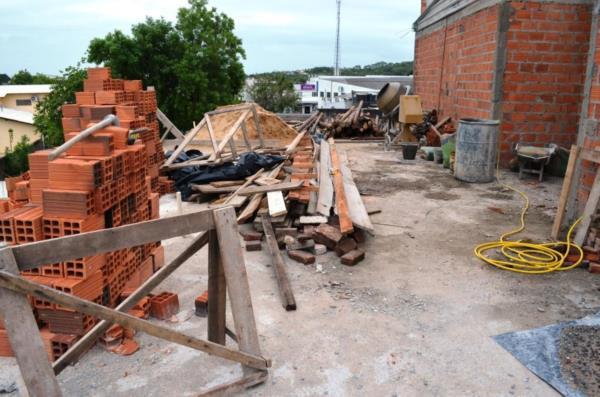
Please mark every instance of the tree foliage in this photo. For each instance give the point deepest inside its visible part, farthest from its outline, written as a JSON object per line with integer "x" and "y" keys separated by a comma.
{"x": 379, "y": 68}
{"x": 194, "y": 64}
{"x": 47, "y": 119}
{"x": 274, "y": 91}
{"x": 23, "y": 76}
{"x": 15, "y": 160}
{"x": 4, "y": 78}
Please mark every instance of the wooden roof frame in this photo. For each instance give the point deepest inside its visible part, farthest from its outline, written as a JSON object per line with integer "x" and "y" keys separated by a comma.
{"x": 226, "y": 269}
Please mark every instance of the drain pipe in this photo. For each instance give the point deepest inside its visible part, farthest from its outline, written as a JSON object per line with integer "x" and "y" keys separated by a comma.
{"x": 111, "y": 119}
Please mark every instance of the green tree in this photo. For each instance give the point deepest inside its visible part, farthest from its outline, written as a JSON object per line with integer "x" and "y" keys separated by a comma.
{"x": 25, "y": 77}
{"x": 4, "y": 78}
{"x": 47, "y": 119}
{"x": 274, "y": 91}
{"x": 194, "y": 64}
{"x": 15, "y": 161}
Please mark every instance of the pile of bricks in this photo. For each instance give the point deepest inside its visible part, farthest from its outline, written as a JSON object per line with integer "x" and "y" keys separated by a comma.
{"x": 107, "y": 180}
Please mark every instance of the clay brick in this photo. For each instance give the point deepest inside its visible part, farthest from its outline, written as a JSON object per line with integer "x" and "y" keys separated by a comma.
{"x": 68, "y": 203}
{"x": 594, "y": 268}
{"x": 251, "y": 235}
{"x": 327, "y": 235}
{"x": 201, "y": 305}
{"x": 345, "y": 245}
{"x": 254, "y": 245}
{"x": 353, "y": 257}
{"x": 164, "y": 305}
{"x": 85, "y": 98}
{"x": 301, "y": 256}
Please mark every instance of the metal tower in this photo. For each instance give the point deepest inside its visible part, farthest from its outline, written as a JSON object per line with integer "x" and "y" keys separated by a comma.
{"x": 336, "y": 67}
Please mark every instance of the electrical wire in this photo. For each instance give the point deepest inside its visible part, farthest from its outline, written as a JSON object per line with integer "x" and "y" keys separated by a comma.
{"x": 523, "y": 257}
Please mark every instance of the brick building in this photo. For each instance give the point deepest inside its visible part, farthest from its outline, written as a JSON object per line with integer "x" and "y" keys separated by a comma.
{"x": 521, "y": 62}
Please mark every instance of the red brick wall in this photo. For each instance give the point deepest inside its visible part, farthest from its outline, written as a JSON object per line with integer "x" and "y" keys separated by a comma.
{"x": 547, "y": 47}
{"x": 454, "y": 66}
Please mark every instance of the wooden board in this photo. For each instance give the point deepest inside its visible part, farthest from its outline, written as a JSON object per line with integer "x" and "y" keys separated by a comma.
{"x": 356, "y": 207}
{"x": 564, "y": 194}
{"x": 325, "y": 197}
{"x": 341, "y": 202}
{"x": 216, "y": 291}
{"x": 254, "y": 203}
{"x": 247, "y": 191}
{"x": 276, "y": 203}
{"x": 24, "y": 337}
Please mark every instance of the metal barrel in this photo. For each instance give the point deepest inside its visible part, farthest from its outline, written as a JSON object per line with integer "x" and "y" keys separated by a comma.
{"x": 476, "y": 150}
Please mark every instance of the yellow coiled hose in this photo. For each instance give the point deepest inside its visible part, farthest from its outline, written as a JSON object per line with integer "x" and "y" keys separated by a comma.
{"x": 524, "y": 257}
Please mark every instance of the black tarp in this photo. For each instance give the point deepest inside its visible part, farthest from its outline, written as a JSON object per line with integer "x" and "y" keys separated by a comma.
{"x": 247, "y": 165}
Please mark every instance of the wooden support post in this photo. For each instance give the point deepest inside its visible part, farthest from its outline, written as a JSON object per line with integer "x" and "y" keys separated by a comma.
{"x": 236, "y": 278}
{"x": 340, "y": 193}
{"x": 285, "y": 288}
{"x": 188, "y": 138}
{"x": 216, "y": 292}
{"x": 564, "y": 194}
{"x": 24, "y": 336}
{"x": 258, "y": 125}
{"x": 246, "y": 139}
{"x": 230, "y": 134}
{"x": 88, "y": 340}
{"x": 169, "y": 125}
{"x": 588, "y": 212}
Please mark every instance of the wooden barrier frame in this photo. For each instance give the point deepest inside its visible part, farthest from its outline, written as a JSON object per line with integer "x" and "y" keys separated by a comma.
{"x": 226, "y": 270}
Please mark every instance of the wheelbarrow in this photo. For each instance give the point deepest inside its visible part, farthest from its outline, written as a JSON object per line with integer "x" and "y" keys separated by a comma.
{"x": 533, "y": 159}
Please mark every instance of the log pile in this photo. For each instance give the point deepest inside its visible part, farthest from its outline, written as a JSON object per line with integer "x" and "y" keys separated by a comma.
{"x": 353, "y": 123}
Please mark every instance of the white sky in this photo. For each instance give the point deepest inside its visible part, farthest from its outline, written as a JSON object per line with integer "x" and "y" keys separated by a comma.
{"x": 48, "y": 35}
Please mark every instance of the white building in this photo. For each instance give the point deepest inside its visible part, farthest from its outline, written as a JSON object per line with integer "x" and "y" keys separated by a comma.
{"x": 341, "y": 92}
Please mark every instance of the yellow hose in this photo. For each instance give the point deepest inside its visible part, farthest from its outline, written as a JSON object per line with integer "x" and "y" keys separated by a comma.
{"x": 524, "y": 257}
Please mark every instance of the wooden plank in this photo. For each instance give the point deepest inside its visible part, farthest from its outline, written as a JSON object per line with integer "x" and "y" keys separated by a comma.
{"x": 200, "y": 163}
{"x": 230, "y": 134}
{"x": 588, "y": 212}
{"x": 237, "y": 385}
{"x": 285, "y": 288}
{"x": 62, "y": 249}
{"x": 245, "y": 185}
{"x": 564, "y": 194}
{"x": 341, "y": 202}
{"x": 217, "y": 292}
{"x": 356, "y": 207}
{"x": 232, "y": 258}
{"x": 237, "y": 183}
{"x": 276, "y": 203}
{"x": 88, "y": 340}
{"x": 255, "y": 143}
{"x": 247, "y": 190}
{"x": 245, "y": 136}
{"x": 24, "y": 336}
{"x": 325, "y": 198}
{"x": 211, "y": 133}
{"x": 257, "y": 198}
{"x": 292, "y": 146}
{"x": 18, "y": 284}
{"x": 169, "y": 124}
{"x": 188, "y": 138}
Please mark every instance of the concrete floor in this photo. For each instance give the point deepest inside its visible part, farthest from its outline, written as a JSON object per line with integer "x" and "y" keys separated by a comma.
{"x": 414, "y": 319}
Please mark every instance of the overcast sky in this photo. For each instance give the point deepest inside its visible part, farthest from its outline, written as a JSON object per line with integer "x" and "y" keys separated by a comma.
{"x": 48, "y": 35}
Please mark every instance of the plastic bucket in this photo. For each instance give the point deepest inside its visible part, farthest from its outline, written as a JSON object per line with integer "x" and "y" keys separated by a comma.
{"x": 448, "y": 147}
{"x": 476, "y": 150}
{"x": 409, "y": 151}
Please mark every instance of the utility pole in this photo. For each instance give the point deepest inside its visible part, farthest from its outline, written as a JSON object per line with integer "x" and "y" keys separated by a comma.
{"x": 336, "y": 67}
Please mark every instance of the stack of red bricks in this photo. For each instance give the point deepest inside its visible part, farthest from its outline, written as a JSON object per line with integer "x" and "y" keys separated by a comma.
{"x": 106, "y": 180}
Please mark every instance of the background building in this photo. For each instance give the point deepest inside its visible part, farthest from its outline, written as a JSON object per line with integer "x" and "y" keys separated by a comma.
{"x": 341, "y": 92}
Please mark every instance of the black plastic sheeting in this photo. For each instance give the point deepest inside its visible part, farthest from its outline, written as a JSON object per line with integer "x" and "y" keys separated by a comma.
{"x": 247, "y": 165}
{"x": 538, "y": 350}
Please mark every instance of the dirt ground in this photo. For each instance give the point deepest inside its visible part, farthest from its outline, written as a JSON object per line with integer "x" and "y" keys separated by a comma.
{"x": 580, "y": 358}
{"x": 414, "y": 319}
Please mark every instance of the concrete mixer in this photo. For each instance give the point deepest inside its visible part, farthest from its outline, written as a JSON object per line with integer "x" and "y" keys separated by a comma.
{"x": 400, "y": 113}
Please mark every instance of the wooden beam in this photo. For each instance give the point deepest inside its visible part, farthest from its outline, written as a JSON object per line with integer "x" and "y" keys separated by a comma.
{"x": 61, "y": 249}
{"x": 237, "y": 385}
{"x": 88, "y": 340}
{"x": 217, "y": 293}
{"x": 258, "y": 125}
{"x": 246, "y": 139}
{"x": 24, "y": 336}
{"x": 292, "y": 146}
{"x": 564, "y": 194}
{"x": 340, "y": 194}
{"x": 247, "y": 190}
{"x": 169, "y": 124}
{"x": 211, "y": 134}
{"x": 20, "y": 285}
{"x": 256, "y": 199}
{"x": 200, "y": 163}
{"x": 588, "y": 212}
{"x": 188, "y": 137}
{"x": 232, "y": 258}
{"x": 230, "y": 134}
{"x": 285, "y": 288}
{"x": 325, "y": 199}
{"x": 245, "y": 185}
